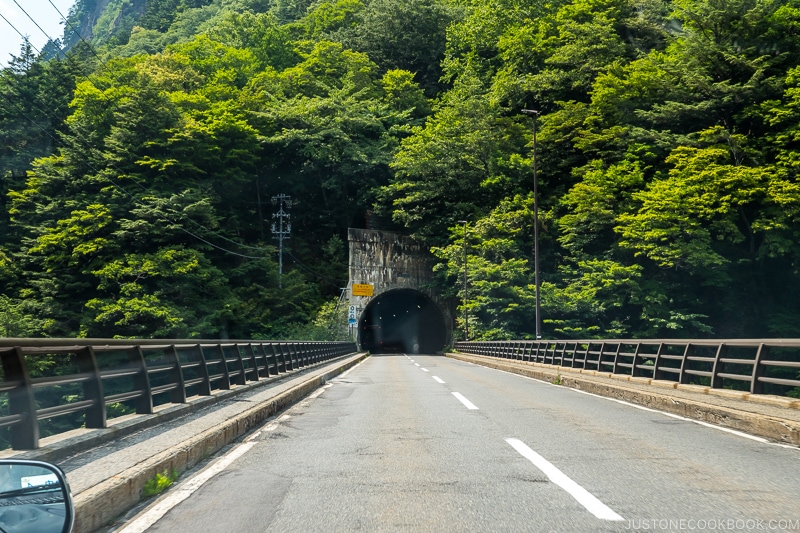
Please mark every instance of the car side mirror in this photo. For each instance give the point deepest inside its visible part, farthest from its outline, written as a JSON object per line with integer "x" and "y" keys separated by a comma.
{"x": 34, "y": 498}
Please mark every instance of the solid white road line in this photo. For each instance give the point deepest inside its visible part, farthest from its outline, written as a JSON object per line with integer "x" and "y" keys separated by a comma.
{"x": 154, "y": 514}
{"x": 584, "y": 497}
{"x": 468, "y": 404}
{"x": 438, "y": 379}
{"x": 643, "y": 408}
{"x": 679, "y": 417}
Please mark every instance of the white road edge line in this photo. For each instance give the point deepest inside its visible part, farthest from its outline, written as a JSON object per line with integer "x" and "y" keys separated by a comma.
{"x": 643, "y": 408}
{"x": 438, "y": 379}
{"x": 468, "y": 404}
{"x": 272, "y": 426}
{"x": 143, "y": 522}
{"x": 581, "y": 495}
{"x": 679, "y": 417}
{"x": 319, "y": 391}
{"x": 155, "y": 513}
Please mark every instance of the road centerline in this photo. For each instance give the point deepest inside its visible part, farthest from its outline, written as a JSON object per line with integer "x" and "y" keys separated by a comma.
{"x": 468, "y": 404}
{"x": 581, "y": 495}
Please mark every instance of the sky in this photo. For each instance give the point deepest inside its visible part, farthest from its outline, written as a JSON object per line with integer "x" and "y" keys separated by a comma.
{"x": 42, "y": 11}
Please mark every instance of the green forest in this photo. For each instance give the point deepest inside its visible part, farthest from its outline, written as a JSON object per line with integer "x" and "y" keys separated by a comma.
{"x": 137, "y": 168}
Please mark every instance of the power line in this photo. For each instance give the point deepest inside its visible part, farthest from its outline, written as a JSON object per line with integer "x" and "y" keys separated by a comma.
{"x": 24, "y": 37}
{"x": 313, "y": 272}
{"x": 79, "y": 136}
{"x": 132, "y": 197}
{"x": 32, "y": 20}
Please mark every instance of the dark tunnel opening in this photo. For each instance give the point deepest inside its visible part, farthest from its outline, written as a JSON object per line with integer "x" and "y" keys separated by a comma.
{"x": 402, "y": 321}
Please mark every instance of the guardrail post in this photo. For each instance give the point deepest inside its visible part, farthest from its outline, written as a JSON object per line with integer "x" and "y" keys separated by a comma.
{"x": 226, "y": 379}
{"x": 303, "y": 354}
{"x": 260, "y": 353}
{"x": 239, "y": 362}
{"x": 634, "y": 370}
{"x": 716, "y": 381}
{"x": 205, "y": 385}
{"x": 756, "y": 386}
{"x": 287, "y": 356}
{"x": 178, "y": 393}
{"x": 95, "y": 416}
{"x": 280, "y": 360}
{"x": 586, "y": 355}
{"x": 324, "y": 352}
{"x": 298, "y": 353}
{"x": 600, "y": 356}
{"x": 253, "y": 360}
{"x": 616, "y": 358}
{"x": 283, "y": 348}
{"x": 313, "y": 349}
{"x": 265, "y": 355}
{"x": 683, "y": 377}
{"x": 144, "y": 403}
{"x": 657, "y": 373}
{"x": 21, "y": 401}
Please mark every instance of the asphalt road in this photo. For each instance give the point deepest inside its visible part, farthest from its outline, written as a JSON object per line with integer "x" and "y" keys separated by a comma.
{"x": 426, "y": 443}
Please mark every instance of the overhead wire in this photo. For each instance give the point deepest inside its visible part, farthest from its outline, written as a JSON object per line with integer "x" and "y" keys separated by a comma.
{"x": 313, "y": 272}
{"x": 113, "y": 165}
{"x": 24, "y": 37}
{"x": 32, "y": 20}
{"x": 130, "y": 195}
{"x": 77, "y": 33}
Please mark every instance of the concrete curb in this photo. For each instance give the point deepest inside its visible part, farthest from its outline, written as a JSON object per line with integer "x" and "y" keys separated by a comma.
{"x": 97, "y": 506}
{"x": 773, "y": 428}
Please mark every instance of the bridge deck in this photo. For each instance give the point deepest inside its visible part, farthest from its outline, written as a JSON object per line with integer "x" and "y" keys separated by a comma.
{"x": 112, "y": 474}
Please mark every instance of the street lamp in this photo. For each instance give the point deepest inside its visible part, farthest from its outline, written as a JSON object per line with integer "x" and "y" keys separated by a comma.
{"x": 466, "y": 323}
{"x": 535, "y": 115}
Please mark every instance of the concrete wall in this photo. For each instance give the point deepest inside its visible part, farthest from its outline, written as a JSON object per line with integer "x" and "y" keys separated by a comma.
{"x": 389, "y": 261}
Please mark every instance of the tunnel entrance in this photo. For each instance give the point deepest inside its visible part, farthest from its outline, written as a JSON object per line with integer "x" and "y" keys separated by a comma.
{"x": 402, "y": 321}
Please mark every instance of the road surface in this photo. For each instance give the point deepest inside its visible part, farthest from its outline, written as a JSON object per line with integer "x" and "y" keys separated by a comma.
{"x": 427, "y": 443}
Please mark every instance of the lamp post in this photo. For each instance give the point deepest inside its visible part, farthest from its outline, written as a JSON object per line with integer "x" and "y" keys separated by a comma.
{"x": 535, "y": 115}
{"x": 466, "y": 323}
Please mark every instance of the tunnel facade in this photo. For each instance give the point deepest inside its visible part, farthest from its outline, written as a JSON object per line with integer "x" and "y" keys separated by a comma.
{"x": 403, "y": 314}
{"x": 402, "y": 321}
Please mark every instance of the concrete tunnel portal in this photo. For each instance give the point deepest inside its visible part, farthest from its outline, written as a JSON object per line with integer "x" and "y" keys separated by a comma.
{"x": 402, "y": 321}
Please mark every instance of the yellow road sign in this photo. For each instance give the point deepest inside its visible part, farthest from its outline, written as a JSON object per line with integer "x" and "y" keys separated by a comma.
{"x": 362, "y": 289}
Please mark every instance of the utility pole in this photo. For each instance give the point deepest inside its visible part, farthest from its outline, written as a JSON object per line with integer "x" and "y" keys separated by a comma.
{"x": 282, "y": 228}
{"x": 466, "y": 298}
{"x": 535, "y": 115}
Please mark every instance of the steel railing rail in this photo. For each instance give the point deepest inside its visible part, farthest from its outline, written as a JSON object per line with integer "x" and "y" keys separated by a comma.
{"x": 718, "y": 363}
{"x": 143, "y": 368}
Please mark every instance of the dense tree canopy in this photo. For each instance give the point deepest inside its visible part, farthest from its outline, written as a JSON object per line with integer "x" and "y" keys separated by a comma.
{"x": 137, "y": 172}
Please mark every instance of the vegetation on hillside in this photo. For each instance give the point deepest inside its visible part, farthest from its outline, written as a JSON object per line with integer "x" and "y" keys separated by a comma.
{"x": 136, "y": 173}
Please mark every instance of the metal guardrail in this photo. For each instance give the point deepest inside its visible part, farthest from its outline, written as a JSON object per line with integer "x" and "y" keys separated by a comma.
{"x": 87, "y": 375}
{"x": 764, "y": 365}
